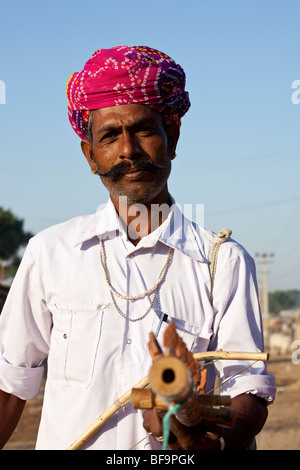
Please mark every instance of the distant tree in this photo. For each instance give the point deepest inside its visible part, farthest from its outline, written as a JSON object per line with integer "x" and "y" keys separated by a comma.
{"x": 284, "y": 300}
{"x": 12, "y": 266}
{"x": 12, "y": 236}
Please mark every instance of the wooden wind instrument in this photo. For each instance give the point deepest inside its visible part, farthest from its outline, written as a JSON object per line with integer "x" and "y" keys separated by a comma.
{"x": 176, "y": 378}
{"x": 171, "y": 382}
{"x": 204, "y": 400}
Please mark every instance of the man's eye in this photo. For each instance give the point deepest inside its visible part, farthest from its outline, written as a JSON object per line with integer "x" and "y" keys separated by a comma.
{"x": 108, "y": 136}
{"x": 145, "y": 131}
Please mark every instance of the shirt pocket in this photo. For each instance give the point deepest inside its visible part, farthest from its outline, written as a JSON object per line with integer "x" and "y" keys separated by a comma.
{"x": 192, "y": 334}
{"x": 74, "y": 342}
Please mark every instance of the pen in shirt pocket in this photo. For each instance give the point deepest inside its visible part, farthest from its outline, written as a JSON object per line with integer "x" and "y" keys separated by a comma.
{"x": 163, "y": 318}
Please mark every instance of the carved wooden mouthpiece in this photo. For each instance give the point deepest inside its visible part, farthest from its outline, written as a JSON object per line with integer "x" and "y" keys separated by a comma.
{"x": 175, "y": 346}
{"x": 171, "y": 380}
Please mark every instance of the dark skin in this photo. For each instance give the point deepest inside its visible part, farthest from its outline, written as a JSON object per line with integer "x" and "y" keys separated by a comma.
{"x": 11, "y": 408}
{"x": 129, "y": 135}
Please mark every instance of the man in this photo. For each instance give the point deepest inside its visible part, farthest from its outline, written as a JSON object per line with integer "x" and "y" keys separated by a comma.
{"x": 89, "y": 291}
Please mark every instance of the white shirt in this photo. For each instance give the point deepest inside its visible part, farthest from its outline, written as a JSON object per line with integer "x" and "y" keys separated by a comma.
{"x": 60, "y": 307}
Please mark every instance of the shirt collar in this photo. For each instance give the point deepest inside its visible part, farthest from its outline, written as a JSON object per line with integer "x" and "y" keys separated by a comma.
{"x": 104, "y": 222}
{"x": 177, "y": 231}
{"x": 184, "y": 235}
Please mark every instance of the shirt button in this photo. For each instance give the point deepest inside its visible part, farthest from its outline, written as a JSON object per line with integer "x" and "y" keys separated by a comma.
{"x": 128, "y": 341}
{"x": 131, "y": 256}
{"x": 65, "y": 336}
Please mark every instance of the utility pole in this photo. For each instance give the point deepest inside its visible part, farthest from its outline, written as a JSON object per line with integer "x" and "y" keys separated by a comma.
{"x": 264, "y": 295}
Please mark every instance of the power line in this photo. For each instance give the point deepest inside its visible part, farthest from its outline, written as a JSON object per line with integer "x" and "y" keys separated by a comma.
{"x": 255, "y": 206}
{"x": 256, "y": 157}
{"x": 277, "y": 276}
{"x": 284, "y": 232}
{"x": 226, "y": 163}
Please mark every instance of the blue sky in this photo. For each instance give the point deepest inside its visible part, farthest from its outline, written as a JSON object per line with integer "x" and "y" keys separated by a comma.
{"x": 239, "y": 151}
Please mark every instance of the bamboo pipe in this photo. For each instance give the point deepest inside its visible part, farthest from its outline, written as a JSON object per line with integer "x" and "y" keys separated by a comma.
{"x": 231, "y": 355}
{"x": 124, "y": 399}
{"x": 145, "y": 399}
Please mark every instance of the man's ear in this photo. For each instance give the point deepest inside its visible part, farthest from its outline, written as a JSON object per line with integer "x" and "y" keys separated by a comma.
{"x": 87, "y": 151}
{"x": 173, "y": 133}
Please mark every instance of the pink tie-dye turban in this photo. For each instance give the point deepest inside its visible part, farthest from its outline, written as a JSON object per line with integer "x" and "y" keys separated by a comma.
{"x": 125, "y": 75}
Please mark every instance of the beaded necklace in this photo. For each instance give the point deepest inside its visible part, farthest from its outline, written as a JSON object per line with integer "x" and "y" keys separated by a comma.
{"x": 115, "y": 293}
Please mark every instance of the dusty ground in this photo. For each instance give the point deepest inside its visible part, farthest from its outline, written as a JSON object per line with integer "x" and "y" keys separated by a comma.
{"x": 281, "y": 432}
{"x": 282, "y": 429}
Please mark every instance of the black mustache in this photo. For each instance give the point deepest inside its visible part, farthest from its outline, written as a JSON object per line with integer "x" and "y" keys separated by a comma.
{"x": 139, "y": 164}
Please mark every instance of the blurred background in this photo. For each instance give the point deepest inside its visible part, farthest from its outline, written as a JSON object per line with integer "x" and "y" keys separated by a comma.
{"x": 239, "y": 148}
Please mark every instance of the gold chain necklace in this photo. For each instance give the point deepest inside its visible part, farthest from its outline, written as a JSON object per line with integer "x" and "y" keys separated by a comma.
{"x": 114, "y": 293}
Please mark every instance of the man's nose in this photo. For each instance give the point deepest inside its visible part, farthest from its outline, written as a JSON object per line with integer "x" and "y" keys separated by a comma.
{"x": 129, "y": 147}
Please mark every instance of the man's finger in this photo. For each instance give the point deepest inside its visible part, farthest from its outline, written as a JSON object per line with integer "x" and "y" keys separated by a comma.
{"x": 152, "y": 423}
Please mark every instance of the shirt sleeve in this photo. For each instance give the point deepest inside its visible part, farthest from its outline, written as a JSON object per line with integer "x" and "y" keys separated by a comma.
{"x": 25, "y": 327}
{"x": 238, "y": 324}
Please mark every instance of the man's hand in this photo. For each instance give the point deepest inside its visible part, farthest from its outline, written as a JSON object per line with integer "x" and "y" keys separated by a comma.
{"x": 251, "y": 415}
{"x": 181, "y": 437}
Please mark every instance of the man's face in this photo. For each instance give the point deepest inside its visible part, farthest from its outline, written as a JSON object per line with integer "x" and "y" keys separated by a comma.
{"x": 131, "y": 150}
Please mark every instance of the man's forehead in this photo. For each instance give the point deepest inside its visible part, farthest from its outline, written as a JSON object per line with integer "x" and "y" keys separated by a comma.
{"x": 125, "y": 114}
